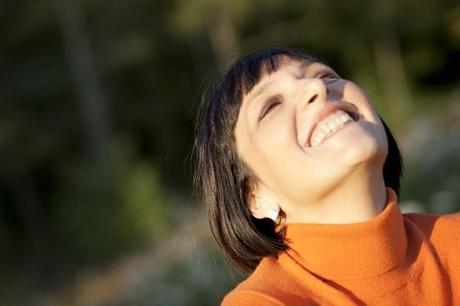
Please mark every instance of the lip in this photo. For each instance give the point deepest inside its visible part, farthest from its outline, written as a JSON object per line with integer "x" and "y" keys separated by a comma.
{"x": 330, "y": 109}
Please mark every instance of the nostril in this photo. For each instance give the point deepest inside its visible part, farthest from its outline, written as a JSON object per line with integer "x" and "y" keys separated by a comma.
{"x": 313, "y": 98}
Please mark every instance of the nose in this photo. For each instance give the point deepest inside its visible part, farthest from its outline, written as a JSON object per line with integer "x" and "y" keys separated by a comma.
{"x": 315, "y": 90}
{"x": 312, "y": 91}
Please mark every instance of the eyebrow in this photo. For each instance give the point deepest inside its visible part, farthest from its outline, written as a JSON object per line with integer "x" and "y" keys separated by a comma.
{"x": 302, "y": 71}
{"x": 260, "y": 91}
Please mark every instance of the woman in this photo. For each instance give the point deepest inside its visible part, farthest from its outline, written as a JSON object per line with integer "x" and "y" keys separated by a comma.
{"x": 301, "y": 178}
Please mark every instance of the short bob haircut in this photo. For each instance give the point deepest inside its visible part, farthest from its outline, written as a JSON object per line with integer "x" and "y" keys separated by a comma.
{"x": 223, "y": 179}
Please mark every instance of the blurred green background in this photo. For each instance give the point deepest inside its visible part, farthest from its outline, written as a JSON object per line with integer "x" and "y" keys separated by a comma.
{"x": 97, "y": 107}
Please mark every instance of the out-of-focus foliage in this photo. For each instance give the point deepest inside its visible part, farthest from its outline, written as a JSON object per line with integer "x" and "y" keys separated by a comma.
{"x": 110, "y": 204}
{"x": 97, "y": 102}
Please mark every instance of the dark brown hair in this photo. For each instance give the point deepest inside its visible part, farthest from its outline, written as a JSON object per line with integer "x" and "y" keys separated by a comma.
{"x": 223, "y": 179}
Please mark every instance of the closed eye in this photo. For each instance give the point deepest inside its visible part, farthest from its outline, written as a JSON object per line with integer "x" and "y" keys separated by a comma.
{"x": 329, "y": 76}
{"x": 271, "y": 103}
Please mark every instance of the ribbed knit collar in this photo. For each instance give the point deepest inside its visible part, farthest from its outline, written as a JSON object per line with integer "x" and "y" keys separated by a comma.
{"x": 351, "y": 251}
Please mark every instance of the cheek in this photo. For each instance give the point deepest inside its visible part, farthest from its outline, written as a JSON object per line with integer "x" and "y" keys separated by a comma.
{"x": 355, "y": 95}
{"x": 276, "y": 135}
{"x": 274, "y": 146}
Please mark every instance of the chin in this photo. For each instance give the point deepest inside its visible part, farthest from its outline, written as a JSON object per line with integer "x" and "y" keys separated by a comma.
{"x": 368, "y": 151}
{"x": 342, "y": 159}
{"x": 361, "y": 143}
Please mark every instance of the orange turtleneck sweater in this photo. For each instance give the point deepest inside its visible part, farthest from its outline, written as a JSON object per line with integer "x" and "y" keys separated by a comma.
{"x": 391, "y": 259}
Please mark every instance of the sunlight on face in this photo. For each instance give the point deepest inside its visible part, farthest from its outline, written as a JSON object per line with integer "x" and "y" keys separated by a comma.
{"x": 278, "y": 117}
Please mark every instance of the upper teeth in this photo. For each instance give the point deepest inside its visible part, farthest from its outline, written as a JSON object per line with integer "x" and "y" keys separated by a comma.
{"x": 328, "y": 126}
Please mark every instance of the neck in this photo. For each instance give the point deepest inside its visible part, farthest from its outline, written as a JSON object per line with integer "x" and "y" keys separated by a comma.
{"x": 358, "y": 198}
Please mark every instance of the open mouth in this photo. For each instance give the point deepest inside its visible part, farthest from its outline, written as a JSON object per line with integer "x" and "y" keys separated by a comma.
{"x": 329, "y": 125}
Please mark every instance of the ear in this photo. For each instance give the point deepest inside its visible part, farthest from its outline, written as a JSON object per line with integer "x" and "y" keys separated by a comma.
{"x": 263, "y": 203}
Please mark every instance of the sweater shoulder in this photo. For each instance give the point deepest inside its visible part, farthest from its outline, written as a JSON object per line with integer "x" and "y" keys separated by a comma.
{"x": 438, "y": 228}
{"x": 256, "y": 298}
{"x": 261, "y": 287}
{"x": 249, "y": 298}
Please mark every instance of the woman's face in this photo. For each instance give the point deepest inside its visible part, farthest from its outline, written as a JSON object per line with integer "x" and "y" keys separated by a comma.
{"x": 277, "y": 118}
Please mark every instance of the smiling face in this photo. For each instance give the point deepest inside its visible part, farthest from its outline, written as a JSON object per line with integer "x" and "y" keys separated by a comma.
{"x": 294, "y": 133}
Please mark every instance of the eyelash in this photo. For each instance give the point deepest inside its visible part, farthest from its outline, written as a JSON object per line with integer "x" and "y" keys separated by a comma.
{"x": 271, "y": 103}
{"x": 329, "y": 76}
